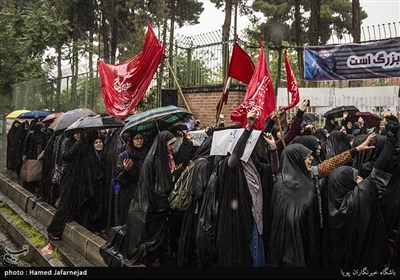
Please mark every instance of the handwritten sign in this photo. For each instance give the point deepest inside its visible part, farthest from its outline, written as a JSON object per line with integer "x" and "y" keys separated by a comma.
{"x": 224, "y": 141}
{"x": 198, "y": 136}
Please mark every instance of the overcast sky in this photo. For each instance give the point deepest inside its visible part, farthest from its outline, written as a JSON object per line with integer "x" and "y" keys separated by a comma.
{"x": 379, "y": 12}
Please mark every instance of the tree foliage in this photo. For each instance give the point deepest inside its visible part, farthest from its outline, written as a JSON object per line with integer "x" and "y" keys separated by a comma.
{"x": 25, "y": 34}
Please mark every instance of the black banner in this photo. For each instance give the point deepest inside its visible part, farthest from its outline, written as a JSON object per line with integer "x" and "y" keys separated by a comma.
{"x": 352, "y": 61}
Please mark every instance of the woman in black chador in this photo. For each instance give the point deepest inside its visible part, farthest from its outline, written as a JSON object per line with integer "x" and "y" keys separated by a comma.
{"x": 296, "y": 204}
{"x": 76, "y": 186}
{"x": 202, "y": 161}
{"x": 354, "y": 232}
{"x": 129, "y": 166}
{"x": 140, "y": 240}
{"x": 14, "y": 144}
{"x": 34, "y": 145}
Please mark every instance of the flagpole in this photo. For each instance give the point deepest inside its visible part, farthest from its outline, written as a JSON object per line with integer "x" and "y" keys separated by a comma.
{"x": 177, "y": 84}
{"x": 226, "y": 87}
{"x": 220, "y": 109}
{"x": 280, "y": 130}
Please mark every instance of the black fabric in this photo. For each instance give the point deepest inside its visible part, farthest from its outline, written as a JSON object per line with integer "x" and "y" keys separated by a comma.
{"x": 185, "y": 152}
{"x": 208, "y": 218}
{"x": 14, "y": 144}
{"x": 34, "y": 144}
{"x": 24, "y": 133}
{"x": 365, "y": 161}
{"x": 234, "y": 225}
{"x": 336, "y": 143}
{"x": 76, "y": 187}
{"x": 328, "y": 124}
{"x": 97, "y": 206}
{"x": 295, "y": 230}
{"x": 354, "y": 232}
{"x": 128, "y": 180}
{"x": 48, "y": 165}
{"x": 312, "y": 143}
{"x": 187, "y": 249}
{"x": 147, "y": 216}
{"x": 113, "y": 146}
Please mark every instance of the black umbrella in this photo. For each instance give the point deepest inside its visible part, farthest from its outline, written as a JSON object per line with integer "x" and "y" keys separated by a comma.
{"x": 337, "y": 112}
{"x": 97, "y": 122}
{"x": 309, "y": 117}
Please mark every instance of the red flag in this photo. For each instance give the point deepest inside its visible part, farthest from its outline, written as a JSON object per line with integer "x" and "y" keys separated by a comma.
{"x": 259, "y": 95}
{"x": 124, "y": 85}
{"x": 241, "y": 66}
{"x": 292, "y": 86}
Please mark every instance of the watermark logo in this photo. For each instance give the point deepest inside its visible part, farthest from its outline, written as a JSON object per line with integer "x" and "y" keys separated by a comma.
{"x": 12, "y": 257}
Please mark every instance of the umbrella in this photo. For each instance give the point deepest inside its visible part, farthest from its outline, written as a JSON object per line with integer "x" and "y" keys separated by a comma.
{"x": 15, "y": 114}
{"x": 337, "y": 112}
{"x": 97, "y": 122}
{"x": 156, "y": 118}
{"x": 370, "y": 119}
{"x": 68, "y": 118}
{"x": 52, "y": 117}
{"x": 309, "y": 117}
{"x": 33, "y": 114}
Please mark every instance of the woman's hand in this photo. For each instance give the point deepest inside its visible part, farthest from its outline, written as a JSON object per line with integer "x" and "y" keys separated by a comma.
{"x": 127, "y": 164}
{"x": 251, "y": 118}
{"x": 269, "y": 140}
{"x": 302, "y": 105}
{"x": 364, "y": 146}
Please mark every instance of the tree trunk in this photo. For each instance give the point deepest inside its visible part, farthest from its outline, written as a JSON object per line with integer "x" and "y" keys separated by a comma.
{"x": 74, "y": 78}
{"x": 59, "y": 76}
{"x": 225, "y": 36}
{"x": 314, "y": 22}
{"x": 91, "y": 80}
{"x": 356, "y": 23}
{"x": 171, "y": 43}
{"x": 104, "y": 31}
{"x": 114, "y": 32}
{"x": 162, "y": 66}
{"x": 299, "y": 41}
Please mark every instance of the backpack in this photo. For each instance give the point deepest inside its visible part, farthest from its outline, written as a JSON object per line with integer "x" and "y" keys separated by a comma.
{"x": 180, "y": 197}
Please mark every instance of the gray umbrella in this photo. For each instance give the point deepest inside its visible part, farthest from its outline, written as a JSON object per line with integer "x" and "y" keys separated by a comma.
{"x": 68, "y": 118}
{"x": 96, "y": 122}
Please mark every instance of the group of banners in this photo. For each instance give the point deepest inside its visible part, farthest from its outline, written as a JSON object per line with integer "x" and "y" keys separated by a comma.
{"x": 124, "y": 85}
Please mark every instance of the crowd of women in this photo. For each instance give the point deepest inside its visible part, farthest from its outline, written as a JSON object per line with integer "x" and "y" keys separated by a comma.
{"x": 315, "y": 197}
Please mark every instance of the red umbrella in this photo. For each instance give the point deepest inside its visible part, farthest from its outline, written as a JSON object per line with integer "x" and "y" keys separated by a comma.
{"x": 50, "y": 118}
{"x": 370, "y": 119}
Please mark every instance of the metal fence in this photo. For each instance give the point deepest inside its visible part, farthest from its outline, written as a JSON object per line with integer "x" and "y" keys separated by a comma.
{"x": 370, "y": 33}
{"x": 197, "y": 61}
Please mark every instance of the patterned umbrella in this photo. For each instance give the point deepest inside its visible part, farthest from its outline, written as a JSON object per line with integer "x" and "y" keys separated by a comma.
{"x": 97, "y": 122}
{"x": 370, "y": 119}
{"x": 156, "y": 118}
{"x": 68, "y": 118}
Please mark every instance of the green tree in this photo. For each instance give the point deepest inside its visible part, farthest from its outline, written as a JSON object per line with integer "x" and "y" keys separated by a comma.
{"x": 25, "y": 34}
